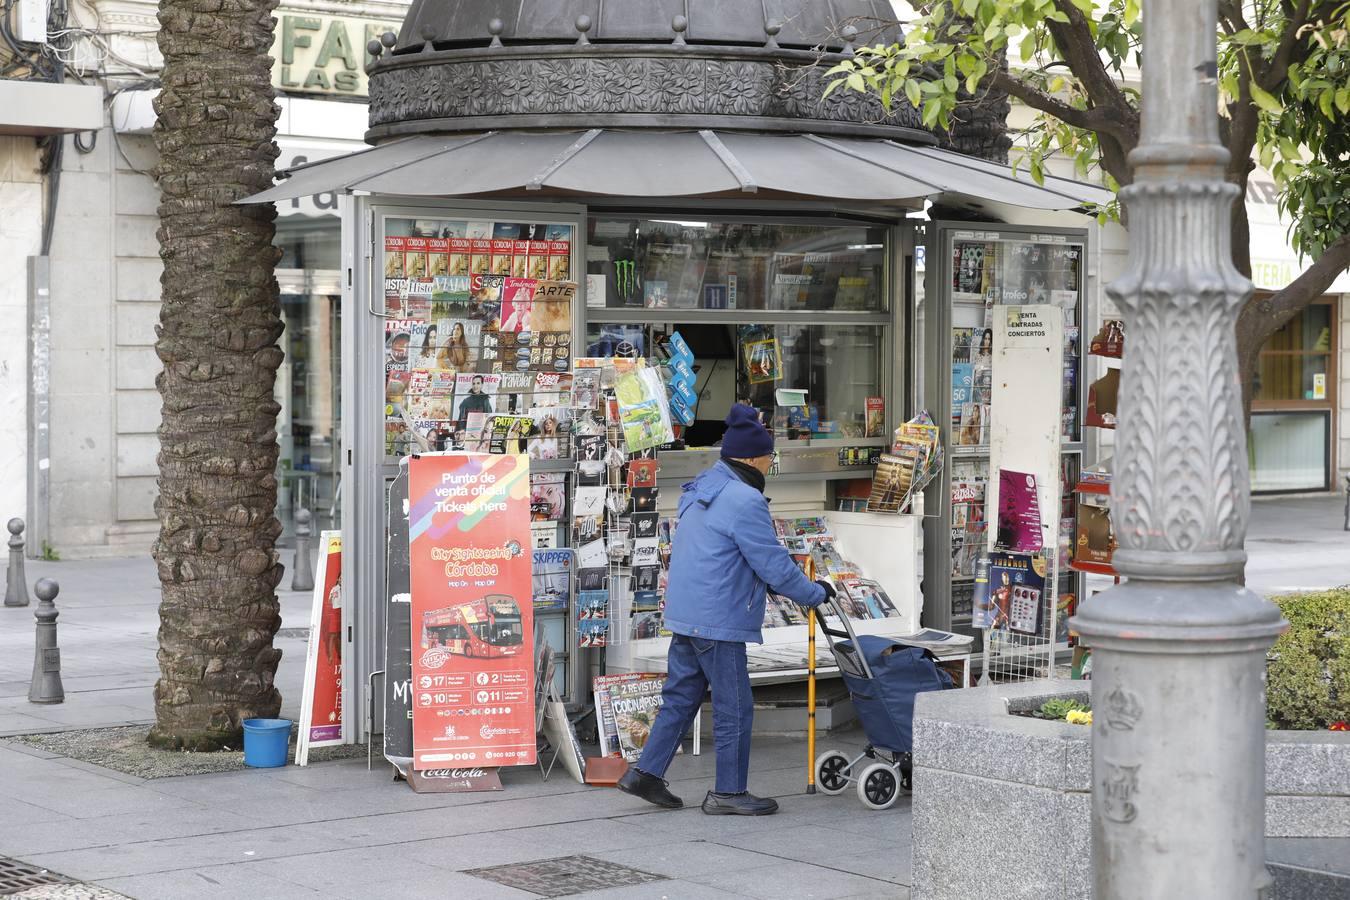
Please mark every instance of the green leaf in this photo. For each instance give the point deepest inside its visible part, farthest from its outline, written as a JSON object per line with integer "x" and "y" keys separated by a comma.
{"x": 1267, "y": 156}
{"x": 1057, "y": 84}
{"x": 855, "y": 82}
{"x": 1264, "y": 99}
{"x": 832, "y": 87}
{"x": 912, "y": 92}
{"x": 1028, "y": 48}
{"x": 1131, "y": 12}
{"x": 1343, "y": 100}
{"x": 1324, "y": 104}
{"x": 931, "y": 109}
{"x": 1057, "y": 16}
{"x": 972, "y": 82}
{"x": 950, "y": 83}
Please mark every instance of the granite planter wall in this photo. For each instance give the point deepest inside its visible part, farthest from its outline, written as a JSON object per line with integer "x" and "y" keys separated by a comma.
{"x": 1002, "y": 805}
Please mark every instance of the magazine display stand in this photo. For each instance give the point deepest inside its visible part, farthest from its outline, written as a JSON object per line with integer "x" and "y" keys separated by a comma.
{"x": 974, "y": 273}
{"x": 1016, "y": 604}
{"x": 887, "y": 549}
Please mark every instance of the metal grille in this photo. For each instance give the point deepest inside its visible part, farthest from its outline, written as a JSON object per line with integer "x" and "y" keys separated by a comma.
{"x": 565, "y": 876}
{"x": 18, "y": 876}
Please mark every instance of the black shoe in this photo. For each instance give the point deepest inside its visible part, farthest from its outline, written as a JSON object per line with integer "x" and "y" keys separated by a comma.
{"x": 649, "y": 788}
{"x": 742, "y": 804}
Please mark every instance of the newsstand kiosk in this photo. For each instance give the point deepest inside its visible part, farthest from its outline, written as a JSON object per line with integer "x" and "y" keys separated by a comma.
{"x": 667, "y": 168}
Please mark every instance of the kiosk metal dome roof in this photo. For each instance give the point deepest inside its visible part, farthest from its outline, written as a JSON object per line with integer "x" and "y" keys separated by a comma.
{"x": 753, "y": 65}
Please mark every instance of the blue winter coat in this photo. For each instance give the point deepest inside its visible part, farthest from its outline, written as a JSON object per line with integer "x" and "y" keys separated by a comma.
{"x": 725, "y": 554}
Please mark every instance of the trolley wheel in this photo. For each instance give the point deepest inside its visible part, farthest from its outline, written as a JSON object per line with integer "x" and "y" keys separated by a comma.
{"x": 832, "y": 772}
{"x": 878, "y": 786}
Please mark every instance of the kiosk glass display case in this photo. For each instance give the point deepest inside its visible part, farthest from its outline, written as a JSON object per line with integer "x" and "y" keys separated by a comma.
{"x": 972, "y": 269}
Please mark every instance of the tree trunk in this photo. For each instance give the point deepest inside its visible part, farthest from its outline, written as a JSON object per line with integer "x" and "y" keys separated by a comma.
{"x": 217, "y": 338}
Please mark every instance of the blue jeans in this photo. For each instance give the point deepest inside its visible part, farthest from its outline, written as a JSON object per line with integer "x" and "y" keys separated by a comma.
{"x": 693, "y": 665}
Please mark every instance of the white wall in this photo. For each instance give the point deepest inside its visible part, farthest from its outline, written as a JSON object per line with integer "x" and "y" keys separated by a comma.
{"x": 20, "y": 238}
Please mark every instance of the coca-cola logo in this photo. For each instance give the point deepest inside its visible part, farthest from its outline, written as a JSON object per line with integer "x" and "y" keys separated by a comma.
{"x": 435, "y": 658}
{"x": 454, "y": 773}
{"x": 487, "y": 732}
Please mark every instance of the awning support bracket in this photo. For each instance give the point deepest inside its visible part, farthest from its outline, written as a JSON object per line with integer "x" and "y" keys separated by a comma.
{"x": 738, "y": 171}
{"x": 578, "y": 145}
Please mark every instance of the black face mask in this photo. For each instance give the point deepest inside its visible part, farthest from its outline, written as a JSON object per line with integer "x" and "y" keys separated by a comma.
{"x": 747, "y": 473}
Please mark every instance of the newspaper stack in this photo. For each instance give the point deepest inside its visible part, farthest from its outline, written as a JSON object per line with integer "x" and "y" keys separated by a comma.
{"x": 915, "y": 458}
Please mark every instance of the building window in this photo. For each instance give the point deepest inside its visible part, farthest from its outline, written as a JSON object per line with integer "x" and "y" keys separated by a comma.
{"x": 1293, "y": 404}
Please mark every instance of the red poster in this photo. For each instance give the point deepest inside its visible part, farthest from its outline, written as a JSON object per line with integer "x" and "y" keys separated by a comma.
{"x": 472, "y": 615}
{"x": 321, "y": 704}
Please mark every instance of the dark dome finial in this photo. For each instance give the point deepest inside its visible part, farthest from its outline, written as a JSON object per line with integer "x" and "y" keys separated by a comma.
{"x": 850, "y": 35}
{"x": 495, "y": 29}
{"x": 428, "y": 38}
{"x": 771, "y": 28}
{"x": 389, "y": 39}
{"x": 376, "y": 50}
{"x": 583, "y": 26}
{"x": 679, "y": 25}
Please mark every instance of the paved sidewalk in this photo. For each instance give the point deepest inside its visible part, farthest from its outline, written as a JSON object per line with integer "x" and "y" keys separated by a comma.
{"x": 335, "y": 830}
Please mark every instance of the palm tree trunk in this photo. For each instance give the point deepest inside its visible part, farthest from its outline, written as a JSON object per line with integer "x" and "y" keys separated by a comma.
{"x": 219, "y": 325}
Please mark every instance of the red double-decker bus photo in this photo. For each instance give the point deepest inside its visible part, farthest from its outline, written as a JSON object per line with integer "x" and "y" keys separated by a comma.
{"x": 486, "y": 628}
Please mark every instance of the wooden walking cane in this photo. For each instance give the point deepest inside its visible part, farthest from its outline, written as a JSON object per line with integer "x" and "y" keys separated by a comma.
{"x": 810, "y": 688}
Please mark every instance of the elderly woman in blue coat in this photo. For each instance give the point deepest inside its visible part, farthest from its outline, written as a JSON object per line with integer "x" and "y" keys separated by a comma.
{"x": 725, "y": 556}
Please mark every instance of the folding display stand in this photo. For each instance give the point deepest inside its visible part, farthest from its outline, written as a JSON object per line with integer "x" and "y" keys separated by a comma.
{"x": 1024, "y": 437}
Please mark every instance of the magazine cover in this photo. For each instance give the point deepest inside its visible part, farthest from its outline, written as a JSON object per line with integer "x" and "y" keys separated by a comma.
{"x": 601, "y": 685}
{"x": 869, "y": 599}
{"x": 548, "y": 496}
{"x": 634, "y": 704}
{"x": 475, "y": 393}
{"x": 876, "y": 417}
{"x": 552, "y": 426}
{"x": 509, "y": 433}
{"x": 890, "y": 484}
{"x": 1011, "y": 597}
{"x": 552, "y": 574}
{"x": 517, "y": 304}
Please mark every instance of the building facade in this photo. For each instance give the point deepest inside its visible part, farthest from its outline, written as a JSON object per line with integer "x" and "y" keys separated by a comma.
{"x": 95, "y": 493}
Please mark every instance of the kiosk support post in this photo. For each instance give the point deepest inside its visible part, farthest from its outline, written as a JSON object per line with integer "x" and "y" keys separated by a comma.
{"x": 1178, "y": 688}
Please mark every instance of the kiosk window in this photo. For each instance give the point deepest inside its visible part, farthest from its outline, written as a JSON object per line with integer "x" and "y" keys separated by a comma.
{"x": 838, "y": 367}
{"x": 672, "y": 264}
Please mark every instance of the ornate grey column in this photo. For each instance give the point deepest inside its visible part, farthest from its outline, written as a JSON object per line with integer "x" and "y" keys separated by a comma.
{"x": 1178, "y": 683}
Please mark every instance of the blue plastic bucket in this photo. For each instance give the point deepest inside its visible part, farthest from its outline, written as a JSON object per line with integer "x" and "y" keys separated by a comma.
{"x": 266, "y": 742}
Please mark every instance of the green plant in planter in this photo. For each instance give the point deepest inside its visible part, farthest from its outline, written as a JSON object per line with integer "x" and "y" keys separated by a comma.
{"x": 1060, "y": 709}
{"x": 1308, "y": 669}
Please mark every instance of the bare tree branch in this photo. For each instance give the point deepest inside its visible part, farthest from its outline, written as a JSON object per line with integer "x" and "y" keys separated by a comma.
{"x": 1277, "y": 69}
{"x": 1308, "y": 286}
{"x": 1080, "y": 51}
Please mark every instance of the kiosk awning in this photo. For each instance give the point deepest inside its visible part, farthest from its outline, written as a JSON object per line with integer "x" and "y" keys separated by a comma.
{"x": 617, "y": 163}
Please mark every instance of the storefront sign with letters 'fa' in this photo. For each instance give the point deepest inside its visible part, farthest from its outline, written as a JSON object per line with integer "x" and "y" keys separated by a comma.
{"x": 472, "y": 611}
{"x": 322, "y": 54}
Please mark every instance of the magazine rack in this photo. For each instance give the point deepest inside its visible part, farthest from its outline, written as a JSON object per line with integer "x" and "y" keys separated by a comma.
{"x": 887, "y": 548}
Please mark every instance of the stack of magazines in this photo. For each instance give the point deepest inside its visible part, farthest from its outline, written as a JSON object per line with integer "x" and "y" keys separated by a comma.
{"x": 915, "y": 458}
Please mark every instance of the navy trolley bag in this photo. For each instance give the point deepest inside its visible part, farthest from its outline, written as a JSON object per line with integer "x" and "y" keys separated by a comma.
{"x": 883, "y": 677}
{"x": 885, "y": 701}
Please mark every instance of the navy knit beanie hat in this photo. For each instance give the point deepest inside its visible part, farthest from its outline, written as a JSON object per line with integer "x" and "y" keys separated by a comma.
{"x": 745, "y": 437}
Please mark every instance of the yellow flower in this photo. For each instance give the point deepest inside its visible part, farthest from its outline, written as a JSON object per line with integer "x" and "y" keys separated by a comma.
{"x": 1079, "y": 717}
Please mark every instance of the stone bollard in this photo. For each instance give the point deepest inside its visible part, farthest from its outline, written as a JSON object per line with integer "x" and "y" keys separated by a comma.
{"x": 16, "y": 585}
{"x": 302, "y": 573}
{"x": 46, "y": 686}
